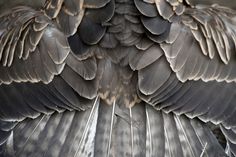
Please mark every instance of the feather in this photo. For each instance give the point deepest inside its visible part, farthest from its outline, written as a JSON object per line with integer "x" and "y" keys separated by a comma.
{"x": 104, "y": 131}
{"x": 146, "y": 9}
{"x": 172, "y": 141}
{"x": 87, "y": 89}
{"x": 101, "y": 15}
{"x": 108, "y": 41}
{"x": 161, "y": 92}
{"x": 57, "y": 48}
{"x": 25, "y": 36}
{"x": 164, "y": 9}
{"x": 143, "y": 59}
{"x": 88, "y": 132}
{"x": 149, "y": 85}
{"x": 73, "y": 6}
{"x": 4, "y": 136}
{"x": 144, "y": 44}
{"x": 92, "y": 35}
{"x": 116, "y": 78}
{"x": 68, "y": 23}
{"x": 53, "y": 7}
{"x": 64, "y": 90}
{"x": 85, "y": 68}
{"x": 95, "y": 4}
{"x": 152, "y": 23}
{"x": 155, "y": 142}
{"x": 189, "y": 141}
{"x": 209, "y": 143}
{"x": 159, "y": 38}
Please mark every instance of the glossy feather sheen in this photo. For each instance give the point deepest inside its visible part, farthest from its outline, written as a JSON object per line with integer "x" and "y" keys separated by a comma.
{"x": 120, "y": 78}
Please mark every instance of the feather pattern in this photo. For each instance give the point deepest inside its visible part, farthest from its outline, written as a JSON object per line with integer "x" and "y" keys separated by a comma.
{"x": 212, "y": 46}
{"x": 32, "y": 33}
{"x": 90, "y": 133}
{"x": 116, "y": 78}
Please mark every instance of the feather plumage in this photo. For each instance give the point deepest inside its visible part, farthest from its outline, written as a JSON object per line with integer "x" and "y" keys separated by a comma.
{"x": 117, "y": 78}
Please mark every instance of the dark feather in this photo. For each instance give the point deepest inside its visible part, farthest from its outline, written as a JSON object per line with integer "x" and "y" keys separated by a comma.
{"x": 149, "y": 82}
{"x": 146, "y": 9}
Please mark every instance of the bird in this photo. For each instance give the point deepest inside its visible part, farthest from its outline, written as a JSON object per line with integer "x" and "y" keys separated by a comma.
{"x": 117, "y": 78}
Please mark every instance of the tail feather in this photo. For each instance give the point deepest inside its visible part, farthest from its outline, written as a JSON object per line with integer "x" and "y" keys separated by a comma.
{"x": 155, "y": 141}
{"x": 230, "y": 135}
{"x": 86, "y": 140}
{"x": 189, "y": 139}
{"x": 113, "y": 130}
{"x": 24, "y": 134}
{"x": 209, "y": 144}
{"x": 128, "y": 138}
{"x": 42, "y": 146}
{"x": 105, "y": 126}
{"x": 81, "y": 133}
{"x": 172, "y": 140}
{"x": 138, "y": 129}
{"x": 58, "y": 138}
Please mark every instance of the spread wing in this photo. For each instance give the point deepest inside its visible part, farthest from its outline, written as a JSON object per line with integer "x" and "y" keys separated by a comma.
{"x": 195, "y": 73}
{"x": 32, "y": 48}
{"x": 47, "y": 66}
{"x": 180, "y": 57}
{"x": 50, "y": 46}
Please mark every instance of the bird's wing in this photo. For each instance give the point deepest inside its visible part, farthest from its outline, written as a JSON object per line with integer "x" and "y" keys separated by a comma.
{"x": 32, "y": 48}
{"x": 195, "y": 73}
{"x": 46, "y": 43}
{"x": 136, "y": 131}
{"x": 84, "y": 30}
{"x": 208, "y": 50}
{"x": 200, "y": 42}
{"x": 197, "y": 54}
{"x": 52, "y": 67}
{"x": 35, "y": 42}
